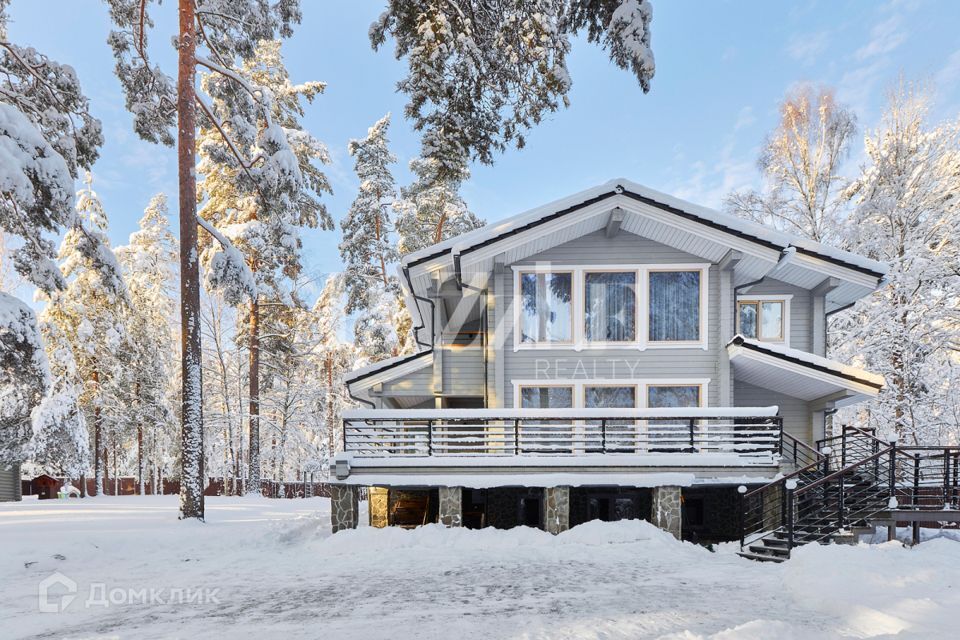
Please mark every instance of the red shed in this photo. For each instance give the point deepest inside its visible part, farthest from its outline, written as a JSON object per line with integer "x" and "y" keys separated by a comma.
{"x": 45, "y": 487}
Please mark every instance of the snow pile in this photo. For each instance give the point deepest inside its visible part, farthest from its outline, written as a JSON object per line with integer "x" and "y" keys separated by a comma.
{"x": 279, "y": 573}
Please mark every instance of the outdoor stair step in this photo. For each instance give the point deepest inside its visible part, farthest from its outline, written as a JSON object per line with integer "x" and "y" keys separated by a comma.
{"x": 761, "y": 557}
{"x": 776, "y": 551}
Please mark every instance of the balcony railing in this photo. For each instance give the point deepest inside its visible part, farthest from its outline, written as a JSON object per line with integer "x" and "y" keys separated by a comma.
{"x": 742, "y": 432}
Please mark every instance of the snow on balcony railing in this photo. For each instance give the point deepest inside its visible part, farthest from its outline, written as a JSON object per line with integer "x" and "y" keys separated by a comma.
{"x": 743, "y": 431}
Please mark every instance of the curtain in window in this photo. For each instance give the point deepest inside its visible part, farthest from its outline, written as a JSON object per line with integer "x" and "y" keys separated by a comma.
{"x": 610, "y": 309}
{"x": 545, "y": 314}
{"x": 674, "y": 306}
{"x": 546, "y": 397}
{"x": 748, "y": 319}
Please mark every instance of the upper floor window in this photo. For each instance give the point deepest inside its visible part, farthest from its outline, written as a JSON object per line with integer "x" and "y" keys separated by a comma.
{"x": 626, "y": 307}
{"x": 763, "y": 318}
{"x": 546, "y": 307}
{"x": 674, "y": 306}
{"x": 610, "y": 306}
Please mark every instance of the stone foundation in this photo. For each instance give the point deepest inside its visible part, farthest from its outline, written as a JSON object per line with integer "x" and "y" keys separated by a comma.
{"x": 556, "y": 509}
{"x": 666, "y": 510}
{"x": 451, "y": 506}
{"x": 379, "y": 502}
{"x": 344, "y": 507}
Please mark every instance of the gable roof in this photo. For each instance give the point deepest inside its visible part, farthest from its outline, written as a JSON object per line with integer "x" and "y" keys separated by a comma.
{"x": 734, "y": 225}
{"x": 698, "y": 230}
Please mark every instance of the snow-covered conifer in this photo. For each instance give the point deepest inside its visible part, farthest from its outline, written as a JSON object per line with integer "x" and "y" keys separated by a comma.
{"x": 481, "y": 74}
{"x": 907, "y": 213}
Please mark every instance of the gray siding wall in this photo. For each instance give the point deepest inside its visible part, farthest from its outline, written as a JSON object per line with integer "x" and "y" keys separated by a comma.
{"x": 10, "y": 484}
{"x": 462, "y": 375}
{"x": 801, "y": 310}
{"x": 795, "y": 412}
{"x": 463, "y": 371}
{"x": 597, "y": 249}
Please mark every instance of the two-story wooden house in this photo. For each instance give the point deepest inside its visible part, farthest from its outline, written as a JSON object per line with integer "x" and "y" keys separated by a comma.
{"x": 618, "y": 353}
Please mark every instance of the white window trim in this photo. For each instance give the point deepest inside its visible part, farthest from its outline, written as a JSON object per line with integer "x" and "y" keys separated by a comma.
{"x": 578, "y": 312}
{"x": 785, "y": 298}
{"x": 640, "y": 384}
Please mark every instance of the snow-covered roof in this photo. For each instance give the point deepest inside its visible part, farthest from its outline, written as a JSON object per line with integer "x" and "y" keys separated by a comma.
{"x": 729, "y": 223}
{"x": 385, "y": 365}
{"x": 861, "y": 375}
{"x": 800, "y": 374}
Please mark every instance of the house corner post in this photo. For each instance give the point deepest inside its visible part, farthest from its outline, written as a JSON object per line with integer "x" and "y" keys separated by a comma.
{"x": 556, "y": 509}
{"x": 666, "y": 509}
{"x": 344, "y": 507}
{"x": 378, "y": 502}
{"x": 451, "y": 506}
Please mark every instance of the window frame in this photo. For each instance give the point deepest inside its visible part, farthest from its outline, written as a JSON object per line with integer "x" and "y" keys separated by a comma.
{"x": 759, "y": 299}
{"x": 642, "y": 310}
{"x": 636, "y": 308}
{"x": 701, "y": 390}
{"x": 704, "y": 306}
{"x": 640, "y": 384}
{"x": 518, "y": 308}
{"x": 553, "y": 384}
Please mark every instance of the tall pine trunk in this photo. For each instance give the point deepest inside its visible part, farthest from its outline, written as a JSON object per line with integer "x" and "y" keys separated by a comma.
{"x": 140, "y": 488}
{"x": 255, "y": 479}
{"x": 192, "y": 472}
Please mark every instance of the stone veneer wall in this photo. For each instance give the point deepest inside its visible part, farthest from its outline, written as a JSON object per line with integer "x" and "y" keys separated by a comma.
{"x": 556, "y": 509}
{"x": 344, "y": 507}
{"x": 666, "y": 509}
{"x": 451, "y": 506}
{"x": 378, "y": 503}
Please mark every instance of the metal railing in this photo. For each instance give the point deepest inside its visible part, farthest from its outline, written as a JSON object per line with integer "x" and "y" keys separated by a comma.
{"x": 856, "y": 477}
{"x": 512, "y": 434}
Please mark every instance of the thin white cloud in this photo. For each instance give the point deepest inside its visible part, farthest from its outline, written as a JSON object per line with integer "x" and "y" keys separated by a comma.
{"x": 885, "y": 36}
{"x": 806, "y": 48}
{"x": 949, "y": 75}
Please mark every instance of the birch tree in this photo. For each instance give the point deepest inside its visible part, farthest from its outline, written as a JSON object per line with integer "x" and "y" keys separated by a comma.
{"x": 907, "y": 213}
{"x": 801, "y": 162}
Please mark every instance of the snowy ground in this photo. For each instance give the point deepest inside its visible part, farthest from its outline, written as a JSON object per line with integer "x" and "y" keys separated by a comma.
{"x": 269, "y": 569}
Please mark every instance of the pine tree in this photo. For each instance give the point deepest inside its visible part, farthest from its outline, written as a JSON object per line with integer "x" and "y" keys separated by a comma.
{"x": 149, "y": 263}
{"x": 261, "y": 209}
{"x": 47, "y": 135}
{"x": 481, "y": 74}
{"x": 229, "y": 30}
{"x": 907, "y": 214}
{"x": 86, "y": 314}
{"x": 801, "y": 163}
{"x": 366, "y": 249}
{"x": 431, "y": 210}
{"x": 372, "y": 293}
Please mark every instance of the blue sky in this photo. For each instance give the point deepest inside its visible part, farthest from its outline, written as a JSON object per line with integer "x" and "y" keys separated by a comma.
{"x": 722, "y": 68}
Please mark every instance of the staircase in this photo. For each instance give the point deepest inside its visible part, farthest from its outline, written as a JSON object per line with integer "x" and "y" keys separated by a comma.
{"x": 839, "y": 487}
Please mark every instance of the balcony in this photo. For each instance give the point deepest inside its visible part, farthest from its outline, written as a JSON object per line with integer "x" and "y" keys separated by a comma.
{"x": 630, "y": 437}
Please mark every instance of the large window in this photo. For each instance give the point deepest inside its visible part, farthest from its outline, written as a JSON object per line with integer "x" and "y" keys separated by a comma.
{"x": 662, "y": 396}
{"x": 545, "y": 308}
{"x": 609, "y": 397}
{"x": 623, "y": 307}
{"x": 548, "y": 397}
{"x": 610, "y": 306}
{"x": 762, "y": 319}
{"x": 674, "y": 301}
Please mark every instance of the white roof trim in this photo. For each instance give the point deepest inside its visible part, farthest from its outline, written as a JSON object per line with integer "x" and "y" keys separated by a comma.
{"x": 796, "y": 373}
{"x": 735, "y": 224}
{"x": 387, "y": 370}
